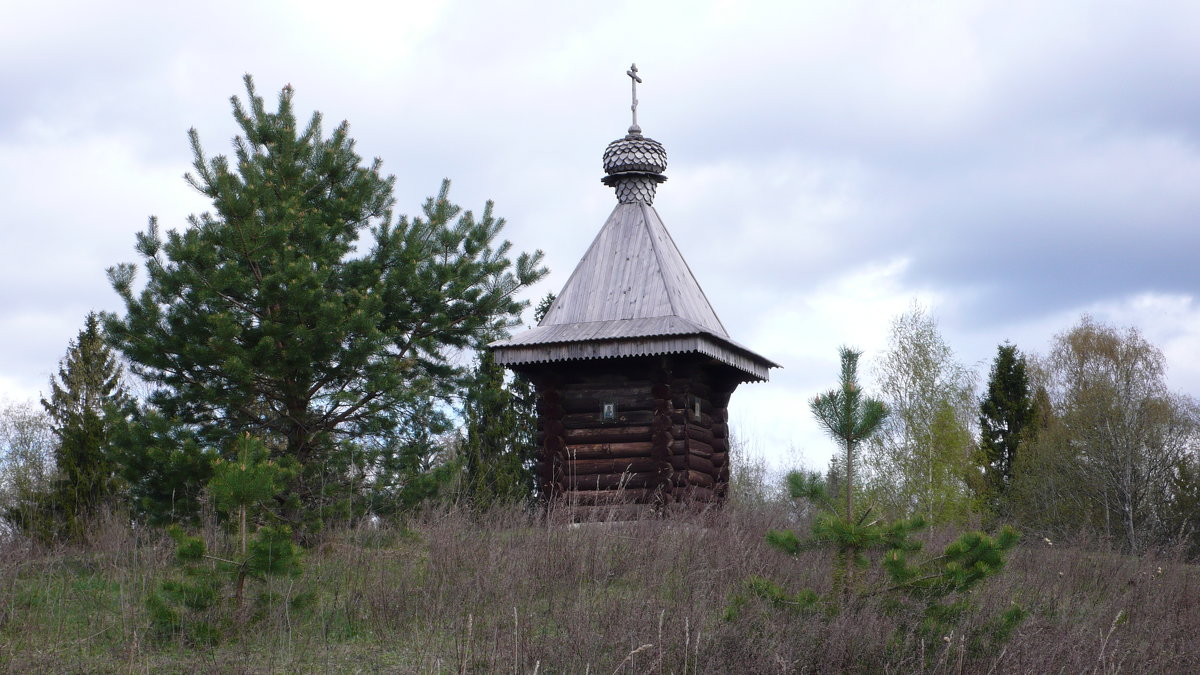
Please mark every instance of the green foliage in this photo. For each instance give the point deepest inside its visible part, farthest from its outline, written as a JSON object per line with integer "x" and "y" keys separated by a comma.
{"x": 188, "y": 549}
{"x": 273, "y": 552}
{"x": 932, "y": 591}
{"x": 1000, "y": 629}
{"x": 249, "y": 480}
{"x": 414, "y": 465}
{"x": 191, "y": 604}
{"x": 1182, "y": 512}
{"x": 1006, "y": 416}
{"x": 164, "y": 466}
{"x": 264, "y": 316}
{"x": 87, "y": 407}
{"x": 497, "y": 446}
{"x": 197, "y": 595}
{"x": 784, "y": 540}
{"x": 183, "y": 606}
{"x": 920, "y": 460}
{"x": 242, "y": 486}
{"x": 1113, "y": 436}
{"x": 848, "y": 416}
{"x": 409, "y": 595}
{"x": 773, "y": 594}
{"x": 26, "y": 464}
{"x": 809, "y": 486}
{"x": 165, "y": 619}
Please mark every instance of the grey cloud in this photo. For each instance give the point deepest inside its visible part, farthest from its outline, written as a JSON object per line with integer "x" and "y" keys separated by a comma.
{"x": 993, "y": 146}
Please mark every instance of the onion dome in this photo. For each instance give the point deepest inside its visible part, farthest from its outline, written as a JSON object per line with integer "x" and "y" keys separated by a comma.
{"x": 635, "y": 153}
{"x": 634, "y": 164}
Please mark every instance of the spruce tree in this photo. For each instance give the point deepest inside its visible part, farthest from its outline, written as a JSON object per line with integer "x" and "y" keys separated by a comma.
{"x": 497, "y": 444}
{"x": 1006, "y": 414}
{"x": 266, "y": 316}
{"x": 498, "y": 441}
{"x": 87, "y": 406}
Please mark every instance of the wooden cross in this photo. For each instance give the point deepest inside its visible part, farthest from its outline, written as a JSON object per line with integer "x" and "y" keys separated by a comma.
{"x": 635, "y": 80}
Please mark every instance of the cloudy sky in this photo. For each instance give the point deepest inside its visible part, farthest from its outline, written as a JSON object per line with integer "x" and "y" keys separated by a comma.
{"x": 1009, "y": 165}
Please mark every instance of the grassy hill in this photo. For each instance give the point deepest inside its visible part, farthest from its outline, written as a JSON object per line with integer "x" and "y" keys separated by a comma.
{"x": 521, "y": 593}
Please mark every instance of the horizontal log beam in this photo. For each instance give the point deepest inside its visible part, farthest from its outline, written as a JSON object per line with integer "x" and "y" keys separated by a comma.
{"x": 618, "y": 465}
{"x": 602, "y": 497}
{"x": 580, "y": 403}
{"x": 682, "y": 462}
{"x": 679, "y": 447}
{"x": 610, "y": 481}
{"x": 588, "y": 420}
{"x": 685, "y": 403}
{"x": 700, "y": 433}
{"x": 607, "y": 434}
{"x": 687, "y": 416}
{"x": 610, "y": 450}
{"x": 691, "y": 385}
{"x": 692, "y": 477}
{"x": 584, "y": 389}
{"x": 701, "y": 463}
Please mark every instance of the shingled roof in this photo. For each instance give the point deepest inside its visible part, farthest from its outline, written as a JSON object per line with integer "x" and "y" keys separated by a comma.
{"x": 632, "y": 294}
{"x": 633, "y": 270}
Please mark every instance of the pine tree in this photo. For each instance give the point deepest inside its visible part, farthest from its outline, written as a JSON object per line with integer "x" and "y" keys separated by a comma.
{"x": 263, "y": 316}
{"x": 849, "y": 417}
{"x": 192, "y": 603}
{"x": 1006, "y": 415}
{"x": 244, "y": 484}
{"x": 165, "y": 467}
{"x": 87, "y": 405}
{"x": 930, "y": 594}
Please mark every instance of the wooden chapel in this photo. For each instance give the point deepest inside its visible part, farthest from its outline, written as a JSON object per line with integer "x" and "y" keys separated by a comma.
{"x": 633, "y": 369}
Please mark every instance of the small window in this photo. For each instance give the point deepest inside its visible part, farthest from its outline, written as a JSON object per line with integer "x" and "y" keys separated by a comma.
{"x": 696, "y": 408}
{"x": 608, "y": 412}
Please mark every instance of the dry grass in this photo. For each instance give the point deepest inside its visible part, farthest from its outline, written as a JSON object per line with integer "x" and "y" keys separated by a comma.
{"x": 517, "y": 592}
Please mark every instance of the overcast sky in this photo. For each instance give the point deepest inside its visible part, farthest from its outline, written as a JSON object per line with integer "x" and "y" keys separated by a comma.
{"x": 1009, "y": 165}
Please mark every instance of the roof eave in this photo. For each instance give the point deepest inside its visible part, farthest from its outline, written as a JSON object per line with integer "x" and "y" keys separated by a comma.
{"x": 748, "y": 363}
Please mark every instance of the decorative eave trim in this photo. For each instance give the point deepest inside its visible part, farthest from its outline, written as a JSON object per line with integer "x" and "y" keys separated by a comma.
{"x": 754, "y": 367}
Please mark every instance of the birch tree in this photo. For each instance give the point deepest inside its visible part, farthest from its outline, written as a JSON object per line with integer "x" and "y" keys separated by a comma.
{"x": 919, "y": 461}
{"x": 1127, "y": 429}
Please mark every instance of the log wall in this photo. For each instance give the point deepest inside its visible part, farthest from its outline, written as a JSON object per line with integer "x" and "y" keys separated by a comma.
{"x": 655, "y": 450}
